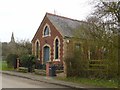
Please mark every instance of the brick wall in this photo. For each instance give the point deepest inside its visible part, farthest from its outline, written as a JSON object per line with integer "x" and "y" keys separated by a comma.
{"x": 47, "y": 40}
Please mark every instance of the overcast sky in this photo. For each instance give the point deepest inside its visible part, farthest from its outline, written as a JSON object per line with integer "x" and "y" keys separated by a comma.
{"x": 23, "y": 17}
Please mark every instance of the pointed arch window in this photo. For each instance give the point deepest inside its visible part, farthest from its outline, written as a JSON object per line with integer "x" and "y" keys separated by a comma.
{"x": 37, "y": 49}
{"x": 56, "y": 49}
{"x": 46, "y": 31}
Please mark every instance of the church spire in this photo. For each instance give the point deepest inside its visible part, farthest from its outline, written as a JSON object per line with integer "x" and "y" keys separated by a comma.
{"x": 12, "y": 38}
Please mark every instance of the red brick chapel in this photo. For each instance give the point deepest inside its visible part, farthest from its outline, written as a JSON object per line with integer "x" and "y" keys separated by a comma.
{"x": 50, "y": 41}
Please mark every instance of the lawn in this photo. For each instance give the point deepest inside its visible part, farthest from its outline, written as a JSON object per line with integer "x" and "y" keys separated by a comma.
{"x": 3, "y": 66}
{"x": 92, "y": 82}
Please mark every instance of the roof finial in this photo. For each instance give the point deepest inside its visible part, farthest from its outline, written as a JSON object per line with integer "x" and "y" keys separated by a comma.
{"x": 54, "y": 11}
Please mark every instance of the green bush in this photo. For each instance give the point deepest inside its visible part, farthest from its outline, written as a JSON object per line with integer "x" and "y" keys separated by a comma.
{"x": 11, "y": 60}
{"x": 76, "y": 66}
{"x": 27, "y": 61}
{"x": 24, "y": 61}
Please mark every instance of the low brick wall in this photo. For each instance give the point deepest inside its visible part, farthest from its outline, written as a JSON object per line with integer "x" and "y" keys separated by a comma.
{"x": 23, "y": 69}
{"x": 40, "y": 72}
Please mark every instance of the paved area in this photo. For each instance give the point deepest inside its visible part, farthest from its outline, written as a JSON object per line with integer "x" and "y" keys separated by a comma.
{"x": 50, "y": 80}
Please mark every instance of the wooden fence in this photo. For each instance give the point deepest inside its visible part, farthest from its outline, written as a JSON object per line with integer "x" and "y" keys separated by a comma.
{"x": 97, "y": 67}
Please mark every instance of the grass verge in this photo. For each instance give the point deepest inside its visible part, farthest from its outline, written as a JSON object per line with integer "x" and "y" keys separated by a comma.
{"x": 3, "y": 66}
{"x": 92, "y": 82}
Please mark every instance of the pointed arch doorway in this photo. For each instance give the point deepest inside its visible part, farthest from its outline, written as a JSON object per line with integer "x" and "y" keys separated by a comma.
{"x": 46, "y": 56}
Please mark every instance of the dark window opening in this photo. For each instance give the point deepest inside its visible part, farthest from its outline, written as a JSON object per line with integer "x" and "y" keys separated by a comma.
{"x": 46, "y": 31}
{"x": 56, "y": 49}
{"x": 37, "y": 50}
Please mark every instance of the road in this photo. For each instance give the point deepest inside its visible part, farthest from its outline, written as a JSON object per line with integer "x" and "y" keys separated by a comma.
{"x": 18, "y": 82}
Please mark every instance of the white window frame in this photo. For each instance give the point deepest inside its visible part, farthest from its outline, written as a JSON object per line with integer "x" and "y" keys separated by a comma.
{"x": 55, "y": 49}
{"x": 46, "y": 25}
{"x": 36, "y": 47}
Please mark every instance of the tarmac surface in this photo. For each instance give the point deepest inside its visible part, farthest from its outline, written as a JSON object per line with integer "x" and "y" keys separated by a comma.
{"x": 52, "y": 81}
{"x": 9, "y": 81}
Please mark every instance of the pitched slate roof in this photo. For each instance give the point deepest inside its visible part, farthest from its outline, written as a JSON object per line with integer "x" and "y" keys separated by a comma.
{"x": 64, "y": 25}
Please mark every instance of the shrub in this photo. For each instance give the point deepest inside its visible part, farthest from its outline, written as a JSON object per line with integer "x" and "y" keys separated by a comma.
{"x": 38, "y": 65}
{"x": 44, "y": 66}
{"x": 27, "y": 61}
{"x": 76, "y": 66}
{"x": 24, "y": 61}
{"x": 11, "y": 60}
